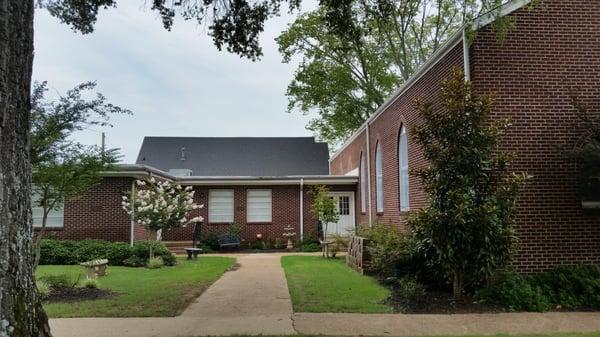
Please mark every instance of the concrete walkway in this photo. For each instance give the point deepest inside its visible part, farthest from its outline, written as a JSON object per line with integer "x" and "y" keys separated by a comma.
{"x": 254, "y": 299}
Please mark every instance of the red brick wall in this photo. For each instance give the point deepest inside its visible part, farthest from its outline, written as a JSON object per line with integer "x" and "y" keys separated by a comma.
{"x": 97, "y": 214}
{"x": 386, "y": 130}
{"x": 286, "y": 212}
{"x": 553, "y": 48}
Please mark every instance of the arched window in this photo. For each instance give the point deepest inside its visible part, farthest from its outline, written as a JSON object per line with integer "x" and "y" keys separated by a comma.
{"x": 363, "y": 184}
{"x": 379, "y": 178}
{"x": 403, "y": 169}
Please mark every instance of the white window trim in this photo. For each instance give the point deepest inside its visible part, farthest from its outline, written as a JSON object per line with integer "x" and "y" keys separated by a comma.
{"x": 268, "y": 219}
{"x": 363, "y": 184}
{"x": 211, "y": 217}
{"x": 403, "y": 172}
{"x": 379, "y": 178}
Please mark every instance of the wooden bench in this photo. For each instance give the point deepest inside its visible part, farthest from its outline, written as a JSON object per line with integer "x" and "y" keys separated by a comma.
{"x": 228, "y": 241}
{"x": 192, "y": 253}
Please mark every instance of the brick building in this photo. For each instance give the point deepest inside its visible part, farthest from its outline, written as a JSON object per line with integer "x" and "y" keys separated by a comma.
{"x": 261, "y": 184}
{"x": 552, "y": 49}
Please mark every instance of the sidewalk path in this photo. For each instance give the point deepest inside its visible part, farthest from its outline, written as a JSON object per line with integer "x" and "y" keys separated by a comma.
{"x": 436, "y": 325}
{"x": 254, "y": 299}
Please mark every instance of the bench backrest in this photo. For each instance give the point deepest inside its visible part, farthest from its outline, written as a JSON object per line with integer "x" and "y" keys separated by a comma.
{"x": 228, "y": 238}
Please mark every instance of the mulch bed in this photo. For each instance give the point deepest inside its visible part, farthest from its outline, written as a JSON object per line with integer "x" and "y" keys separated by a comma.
{"x": 440, "y": 303}
{"x": 78, "y": 294}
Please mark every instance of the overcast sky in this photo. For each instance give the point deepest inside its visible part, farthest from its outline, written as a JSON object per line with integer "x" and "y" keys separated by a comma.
{"x": 176, "y": 83}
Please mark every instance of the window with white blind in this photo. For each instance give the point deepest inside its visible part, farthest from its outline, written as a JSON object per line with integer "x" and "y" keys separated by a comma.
{"x": 220, "y": 206}
{"x": 403, "y": 169}
{"x": 363, "y": 184}
{"x": 379, "y": 178}
{"x": 259, "y": 206}
{"x": 56, "y": 216}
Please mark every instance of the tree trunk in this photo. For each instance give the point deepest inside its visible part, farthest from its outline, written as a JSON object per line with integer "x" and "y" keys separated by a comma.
{"x": 21, "y": 312}
{"x": 457, "y": 288}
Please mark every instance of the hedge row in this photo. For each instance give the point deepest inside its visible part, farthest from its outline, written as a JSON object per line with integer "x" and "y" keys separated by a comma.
{"x": 569, "y": 287}
{"x": 66, "y": 252}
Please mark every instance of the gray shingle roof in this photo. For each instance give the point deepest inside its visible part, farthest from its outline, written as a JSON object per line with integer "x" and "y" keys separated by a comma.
{"x": 260, "y": 157}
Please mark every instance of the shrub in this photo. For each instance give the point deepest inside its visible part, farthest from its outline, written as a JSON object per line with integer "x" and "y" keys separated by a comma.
{"x": 43, "y": 289}
{"x": 278, "y": 244}
{"x": 571, "y": 286}
{"x": 211, "y": 240}
{"x": 386, "y": 247}
{"x": 118, "y": 253}
{"x": 515, "y": 293}
{"x": 310, "y": 247}
{"x": 155, "y": 263}
{"x": 409, "y": 288}
{"x": 205, "y": 248}
{"x": 141, "y": 249}
{"x": 58, "y": 281}
{"x": 58, "y": 252}
{"x": 90, "y": 283}
{"x": 566, "y": 286}
{"x": 134, "y": 261}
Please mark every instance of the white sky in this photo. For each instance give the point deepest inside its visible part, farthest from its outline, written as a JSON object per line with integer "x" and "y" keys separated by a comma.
{"x": 176, "y": 83}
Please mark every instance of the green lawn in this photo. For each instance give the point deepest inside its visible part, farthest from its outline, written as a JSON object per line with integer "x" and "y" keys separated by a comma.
{"x": 328, "y": 285}
{"x": 144, "y": 292}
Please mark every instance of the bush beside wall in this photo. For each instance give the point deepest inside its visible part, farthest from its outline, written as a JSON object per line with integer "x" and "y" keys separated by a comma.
{"x": 67, "y": 252}
{"x": 562, "y": 287}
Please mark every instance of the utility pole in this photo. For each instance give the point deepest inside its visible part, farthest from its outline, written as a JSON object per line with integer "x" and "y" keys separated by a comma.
{"x": 103, "y": 142}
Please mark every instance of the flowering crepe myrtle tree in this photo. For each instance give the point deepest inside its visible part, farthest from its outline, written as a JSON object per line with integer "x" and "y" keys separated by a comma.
{"x": 159, "y": 205}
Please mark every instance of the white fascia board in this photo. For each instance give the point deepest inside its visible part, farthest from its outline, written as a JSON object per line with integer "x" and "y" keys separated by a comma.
{"x": 256, "y": 181}
{"x": 504, "y": 10}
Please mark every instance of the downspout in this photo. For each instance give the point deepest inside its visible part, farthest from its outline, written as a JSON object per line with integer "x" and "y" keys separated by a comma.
{"x": 369, "y": 175}
{"x": 466, "y": 56}
{"x": 301, "y": 209}
{"x": 132, "y": 227}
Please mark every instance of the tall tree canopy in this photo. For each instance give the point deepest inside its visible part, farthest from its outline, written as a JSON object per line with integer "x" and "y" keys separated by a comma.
{"x": 354, "y": 53}
{"x": 234, "y": 24}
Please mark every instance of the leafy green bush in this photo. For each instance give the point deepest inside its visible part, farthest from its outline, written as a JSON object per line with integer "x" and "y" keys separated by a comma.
{"x": 571, "y": 286}
{"x": 309, "y": 247}
{"x": 90, "y": 283}
{"x": 409, "y": 288}
{"x": 67, "y": 252}
{"x": 387, "y": 246}
{"x": 155, "y": 263}
{"x": 211, "y": 240}
{"x": 58, "y": 281}
{"x": 58, "y": 252}
{"x": 134, "y": 261}
{"x": 567, "y": 287}
{"x": 514, "y": 292}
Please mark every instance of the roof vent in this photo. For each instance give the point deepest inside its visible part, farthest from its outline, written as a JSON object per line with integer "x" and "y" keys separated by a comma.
{"x": 183, "y": 154}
